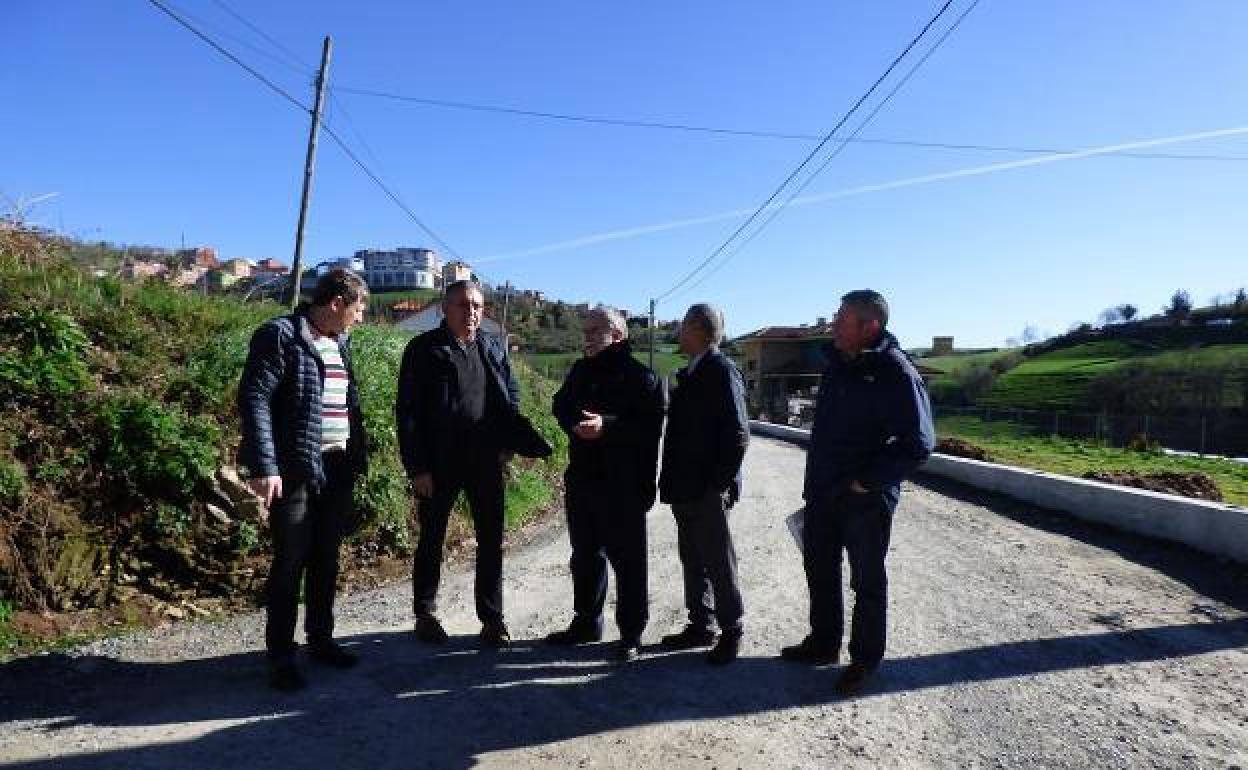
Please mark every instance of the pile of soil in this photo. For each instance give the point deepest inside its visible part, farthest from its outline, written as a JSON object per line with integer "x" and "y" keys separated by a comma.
{"x": 1193, "y": 484}
{"x": 959, "y": 448}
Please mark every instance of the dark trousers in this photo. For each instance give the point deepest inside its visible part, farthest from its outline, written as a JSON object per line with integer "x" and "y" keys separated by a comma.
{"x": 480, "y": 478}
{"x": 605, "y": 530}
{"x": 307, "y": 528}
{"x": 708, "y": 561}
{"x": 860, "y": 526}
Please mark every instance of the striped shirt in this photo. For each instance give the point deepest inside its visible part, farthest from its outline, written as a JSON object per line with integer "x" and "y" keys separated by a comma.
{"x": 335, "y": 420}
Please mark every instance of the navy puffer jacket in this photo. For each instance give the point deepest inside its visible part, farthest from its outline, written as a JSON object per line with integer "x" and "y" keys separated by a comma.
{"x": 279, "y": 399}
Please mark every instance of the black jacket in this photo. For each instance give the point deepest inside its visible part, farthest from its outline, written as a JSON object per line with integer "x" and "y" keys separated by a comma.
{"x": 873, "y": 423}
{"x": 279, "y": 399}
{"x": 428, "y": 392}
{"x": 708, "y": 431}
{"x": 631, "y": 401}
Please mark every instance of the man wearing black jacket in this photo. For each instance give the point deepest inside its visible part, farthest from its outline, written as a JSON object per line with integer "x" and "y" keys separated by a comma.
{"x": 873, "y": 426}
{"x": 611, "y": 406}
{"x": 303, "y": 447}
{"x": 707, "y": 435}
{"x": 456, "y": 403}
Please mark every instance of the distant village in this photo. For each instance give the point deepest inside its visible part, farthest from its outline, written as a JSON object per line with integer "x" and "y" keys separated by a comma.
{"x": 399, "y": 269}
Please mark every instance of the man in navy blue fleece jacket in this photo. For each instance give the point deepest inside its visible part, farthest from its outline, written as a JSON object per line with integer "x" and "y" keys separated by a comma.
{"x": 873, "y": 426}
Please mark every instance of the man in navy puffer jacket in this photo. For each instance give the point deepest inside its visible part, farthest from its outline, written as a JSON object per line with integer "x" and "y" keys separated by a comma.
{"x": 303, "y": 448}
{"x": 873, "y": 426}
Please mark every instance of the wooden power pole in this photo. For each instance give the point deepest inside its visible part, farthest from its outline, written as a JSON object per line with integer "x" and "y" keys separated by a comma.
{"x": 297, "y": 268}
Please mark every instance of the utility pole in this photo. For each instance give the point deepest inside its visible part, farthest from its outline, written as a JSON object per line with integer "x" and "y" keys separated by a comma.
{"x": 652, "y": 335}
{"x": 297, "y": 268}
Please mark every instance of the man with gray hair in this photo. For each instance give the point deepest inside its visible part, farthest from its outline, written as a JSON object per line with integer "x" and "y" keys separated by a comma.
{"x": 707, "y": 435}
{"x": 611, "y": 406}
{"x": 873, "y": 427}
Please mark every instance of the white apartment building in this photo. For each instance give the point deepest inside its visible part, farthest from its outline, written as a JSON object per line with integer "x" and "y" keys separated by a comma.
{"x": 403, "y": 268}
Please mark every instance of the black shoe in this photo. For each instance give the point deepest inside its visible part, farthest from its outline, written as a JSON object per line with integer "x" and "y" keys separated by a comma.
{"x": 284, "y": 677}
{"x": 574, "y": 634}
{"x": 689, "y": 638}
{"x": 495, "y": 635}
{"x": 332, "y": 654}
{"x": 812, "y": 652}
{"x": 429, "y": 630}
{"x": 627, "y": 650}
{"x": 853, "y": 679}
{"x": 726, "y": 650}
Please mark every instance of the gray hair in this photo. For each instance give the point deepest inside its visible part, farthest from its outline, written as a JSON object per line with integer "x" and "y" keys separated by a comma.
{"x": 613, "y": 317}
{"x": 709, "y": 319}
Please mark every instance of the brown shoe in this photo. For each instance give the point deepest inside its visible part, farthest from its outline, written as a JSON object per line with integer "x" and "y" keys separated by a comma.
{"x": 853, "y": 680}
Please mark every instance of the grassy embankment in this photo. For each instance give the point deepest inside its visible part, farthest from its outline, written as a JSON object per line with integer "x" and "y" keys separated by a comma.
{"x": 1013, "y": 444}
{"x": 1061, "y": 379}
{"x": 117, "y": 409}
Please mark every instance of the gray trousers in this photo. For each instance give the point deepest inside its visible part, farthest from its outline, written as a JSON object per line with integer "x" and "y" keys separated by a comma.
{"x": 709, "y": 563}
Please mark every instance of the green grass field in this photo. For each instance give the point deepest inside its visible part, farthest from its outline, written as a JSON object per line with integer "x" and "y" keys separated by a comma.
{"x": 949, "y": 364}
{"x": 1012, "y": 444}
{"x": 1060, "y": 380}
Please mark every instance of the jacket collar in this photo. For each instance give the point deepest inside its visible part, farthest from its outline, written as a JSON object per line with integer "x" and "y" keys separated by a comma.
{"x": 709, "y": 355}
{"x": 868, "y": 357}
{"x": 621, "y": 349}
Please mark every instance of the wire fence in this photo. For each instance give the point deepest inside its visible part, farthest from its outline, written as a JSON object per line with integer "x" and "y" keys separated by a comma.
{"x": 1218, "y": 434}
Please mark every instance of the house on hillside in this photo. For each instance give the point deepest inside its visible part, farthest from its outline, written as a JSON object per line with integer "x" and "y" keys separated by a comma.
{"x": 268, "y": 269}
{"x": 782, "y": 366}
{"x": 400, "y": 269}
{"x": 201, "y": 256}
{"x": 229, "y": 273}
{"x": 137, "y": 270}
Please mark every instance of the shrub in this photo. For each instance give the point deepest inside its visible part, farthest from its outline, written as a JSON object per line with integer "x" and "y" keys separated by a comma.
{"x": 157, "y": 451}
{"x": 13, "y": 486}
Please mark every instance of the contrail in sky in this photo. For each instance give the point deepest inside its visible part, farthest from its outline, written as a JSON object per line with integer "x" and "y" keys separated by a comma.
{"x": 810, "y": 200}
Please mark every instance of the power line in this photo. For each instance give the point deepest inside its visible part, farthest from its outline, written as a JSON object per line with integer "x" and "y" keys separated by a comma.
{"x": 300, "y": 68}
{"x": 832, "y": 156}
{"x": 755, "y": 133}
{"x": 810, "y": 156}
{"x": 290, "y": 55}
{"x": 338, "y": 140}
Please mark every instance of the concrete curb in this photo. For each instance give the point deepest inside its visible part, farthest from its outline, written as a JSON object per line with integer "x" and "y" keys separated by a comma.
{"x": 1214, "y": 528}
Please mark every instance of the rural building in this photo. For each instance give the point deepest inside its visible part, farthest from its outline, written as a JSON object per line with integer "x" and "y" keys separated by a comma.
{"x": 782, "y": 366}
{"x": 400, "y": 269}
{"x": 942, "y": 346}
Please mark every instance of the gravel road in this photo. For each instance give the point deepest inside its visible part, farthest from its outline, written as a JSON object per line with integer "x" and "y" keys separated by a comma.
{"x": 1017, "y": 639}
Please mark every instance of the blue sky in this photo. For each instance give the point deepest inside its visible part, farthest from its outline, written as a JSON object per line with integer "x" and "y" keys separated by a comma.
{"x": 149, "y": 136}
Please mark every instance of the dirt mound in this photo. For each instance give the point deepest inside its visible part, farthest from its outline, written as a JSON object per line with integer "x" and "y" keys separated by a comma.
{"x": 959, "y": 448}
{"x": 1194, "y": 484}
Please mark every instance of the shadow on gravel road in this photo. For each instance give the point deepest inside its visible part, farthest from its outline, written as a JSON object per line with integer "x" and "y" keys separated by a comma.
{"x": 411, "y": 706}
{"x": 1219, "y": 579}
